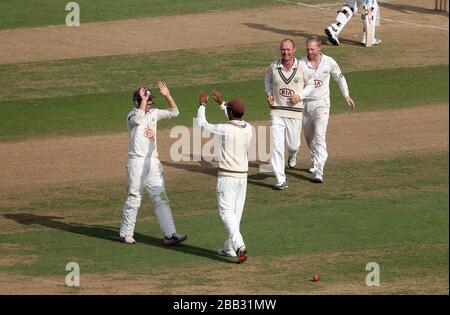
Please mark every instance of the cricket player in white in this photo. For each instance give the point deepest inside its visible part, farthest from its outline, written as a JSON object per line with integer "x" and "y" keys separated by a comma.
{"x": 144, "y": 170}
{"x": 345, "y": 14}
{"x": 233, "y": 167}
{"x": 284, "y": 86}
{"x": 317, "y": 104}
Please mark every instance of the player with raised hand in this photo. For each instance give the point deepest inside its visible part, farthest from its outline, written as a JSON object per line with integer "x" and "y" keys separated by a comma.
{"x": 144, "y": 169}
{"x": 235, "y": 135}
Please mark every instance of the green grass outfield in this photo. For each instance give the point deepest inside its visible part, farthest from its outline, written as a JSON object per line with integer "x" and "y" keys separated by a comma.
{"x": 29, "y": 13}
{"x": 402, "y": 224}
{"x": 106, "y": 113}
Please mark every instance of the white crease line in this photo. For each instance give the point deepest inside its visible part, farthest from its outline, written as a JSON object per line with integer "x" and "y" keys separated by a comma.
{"x": 320, "y": 7}
{"x": 445, "y": 28}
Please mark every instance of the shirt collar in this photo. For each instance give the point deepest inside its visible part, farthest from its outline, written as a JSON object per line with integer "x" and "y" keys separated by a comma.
{"x": 295, "y": 66}
{"x": 309, "y": 64}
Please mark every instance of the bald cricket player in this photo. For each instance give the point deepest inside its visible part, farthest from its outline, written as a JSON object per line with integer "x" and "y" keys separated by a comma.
{"x": 285, "y": 87}
{"x": 144, "y": 169}
{"x": 233, "y": 167}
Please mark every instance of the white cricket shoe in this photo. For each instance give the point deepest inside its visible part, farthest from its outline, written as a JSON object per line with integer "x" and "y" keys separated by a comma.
{"x": 232, "y": 256}
{"x": 332, "y": 37}
{"x": 292, "y": 161}
{"x": 127, "y": 240}
{"x": 281, "y": 186}
{"x": 376, "y": 41}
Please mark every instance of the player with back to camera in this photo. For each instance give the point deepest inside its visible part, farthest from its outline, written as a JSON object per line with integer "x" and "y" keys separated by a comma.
{"x": 233, "y": 167}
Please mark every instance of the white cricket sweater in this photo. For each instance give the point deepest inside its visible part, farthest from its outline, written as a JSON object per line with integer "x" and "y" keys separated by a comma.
{"x": 236, "y": 136}
{"x": 282, "y": 84}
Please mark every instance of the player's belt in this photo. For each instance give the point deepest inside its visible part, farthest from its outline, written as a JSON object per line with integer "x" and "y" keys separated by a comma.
{"x": 292, "y": 109}
{"x": 228, "y": 171}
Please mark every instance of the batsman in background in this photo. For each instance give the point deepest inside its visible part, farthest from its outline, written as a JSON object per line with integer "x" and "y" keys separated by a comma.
{"x": 370, "y": 19}
{"x": 233, "y": 167}
{"x": 144, "y": 170}
{"x": 317, "y": 105}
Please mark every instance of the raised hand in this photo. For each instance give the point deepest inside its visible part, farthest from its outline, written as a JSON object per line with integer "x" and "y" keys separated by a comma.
{"x": 217, "y": 97}
{"x": 203, "y": 97}
{"x": 144, "y": 96}
{"x": 163, "y": 89}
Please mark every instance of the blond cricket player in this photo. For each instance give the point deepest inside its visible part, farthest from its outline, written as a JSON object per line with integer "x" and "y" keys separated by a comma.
{"x": 144, "y": 169}
{"x": 345, "y": 14}
{"x": 285, "y": 89}
{"x": 317, "y": 105}
{"x": 233, "y": 167}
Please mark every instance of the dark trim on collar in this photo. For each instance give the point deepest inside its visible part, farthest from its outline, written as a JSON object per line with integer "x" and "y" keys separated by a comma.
{"x": 237, "y": 125}
{"x": 294, "y": 72}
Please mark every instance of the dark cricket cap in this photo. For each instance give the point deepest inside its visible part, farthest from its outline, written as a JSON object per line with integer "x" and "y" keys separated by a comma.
{"x": 237, "y": 105}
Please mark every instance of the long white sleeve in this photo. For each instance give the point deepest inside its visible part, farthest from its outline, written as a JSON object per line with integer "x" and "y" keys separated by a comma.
{"x": 224, "y": 109}
{"x": 167, "y": 113}
{"x": 218, "y": 129}
{"x": 338, "y": 76}
{"x": 136, "y": 117}
{"x": 268, "y": 83}
{"x": 308, "y": 88}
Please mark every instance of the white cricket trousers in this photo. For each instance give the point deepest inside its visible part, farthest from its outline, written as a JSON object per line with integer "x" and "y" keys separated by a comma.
{"x": 231, "y": 192}
{"x": 148, "y": 174}
{"x": 315, "y": 123}
{"x": 288, "y": 129}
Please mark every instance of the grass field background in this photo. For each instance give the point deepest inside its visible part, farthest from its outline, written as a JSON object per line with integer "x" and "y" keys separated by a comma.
{"x": 25, "y": 13}
{"x": 106, "y": 112}
{"x": 392, "y": 210}
{"x": 401, "y": 224}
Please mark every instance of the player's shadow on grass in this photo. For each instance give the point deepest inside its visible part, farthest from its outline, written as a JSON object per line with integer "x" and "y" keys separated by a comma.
{"x": 107, "y": 233}
{"x": 407, "y": 9}
{"x": 298, "y": 33}
{"x": 204, "y": 167}
{"x": 257, "y": 179}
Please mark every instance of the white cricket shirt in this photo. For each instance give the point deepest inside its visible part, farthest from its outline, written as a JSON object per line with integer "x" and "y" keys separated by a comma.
{"x": 236, "y": 136}
{"x": 142, "y": 131}
{"x": 321, "y": 77}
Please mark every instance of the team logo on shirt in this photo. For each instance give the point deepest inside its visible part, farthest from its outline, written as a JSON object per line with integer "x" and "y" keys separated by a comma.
{"x": 318, "y": 83}
{"x": 286, "y": 92}
{"x": 149, "y": 133}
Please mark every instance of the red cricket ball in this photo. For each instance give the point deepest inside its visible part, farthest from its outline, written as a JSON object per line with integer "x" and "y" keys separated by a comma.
{"x": 316, "y": 278}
